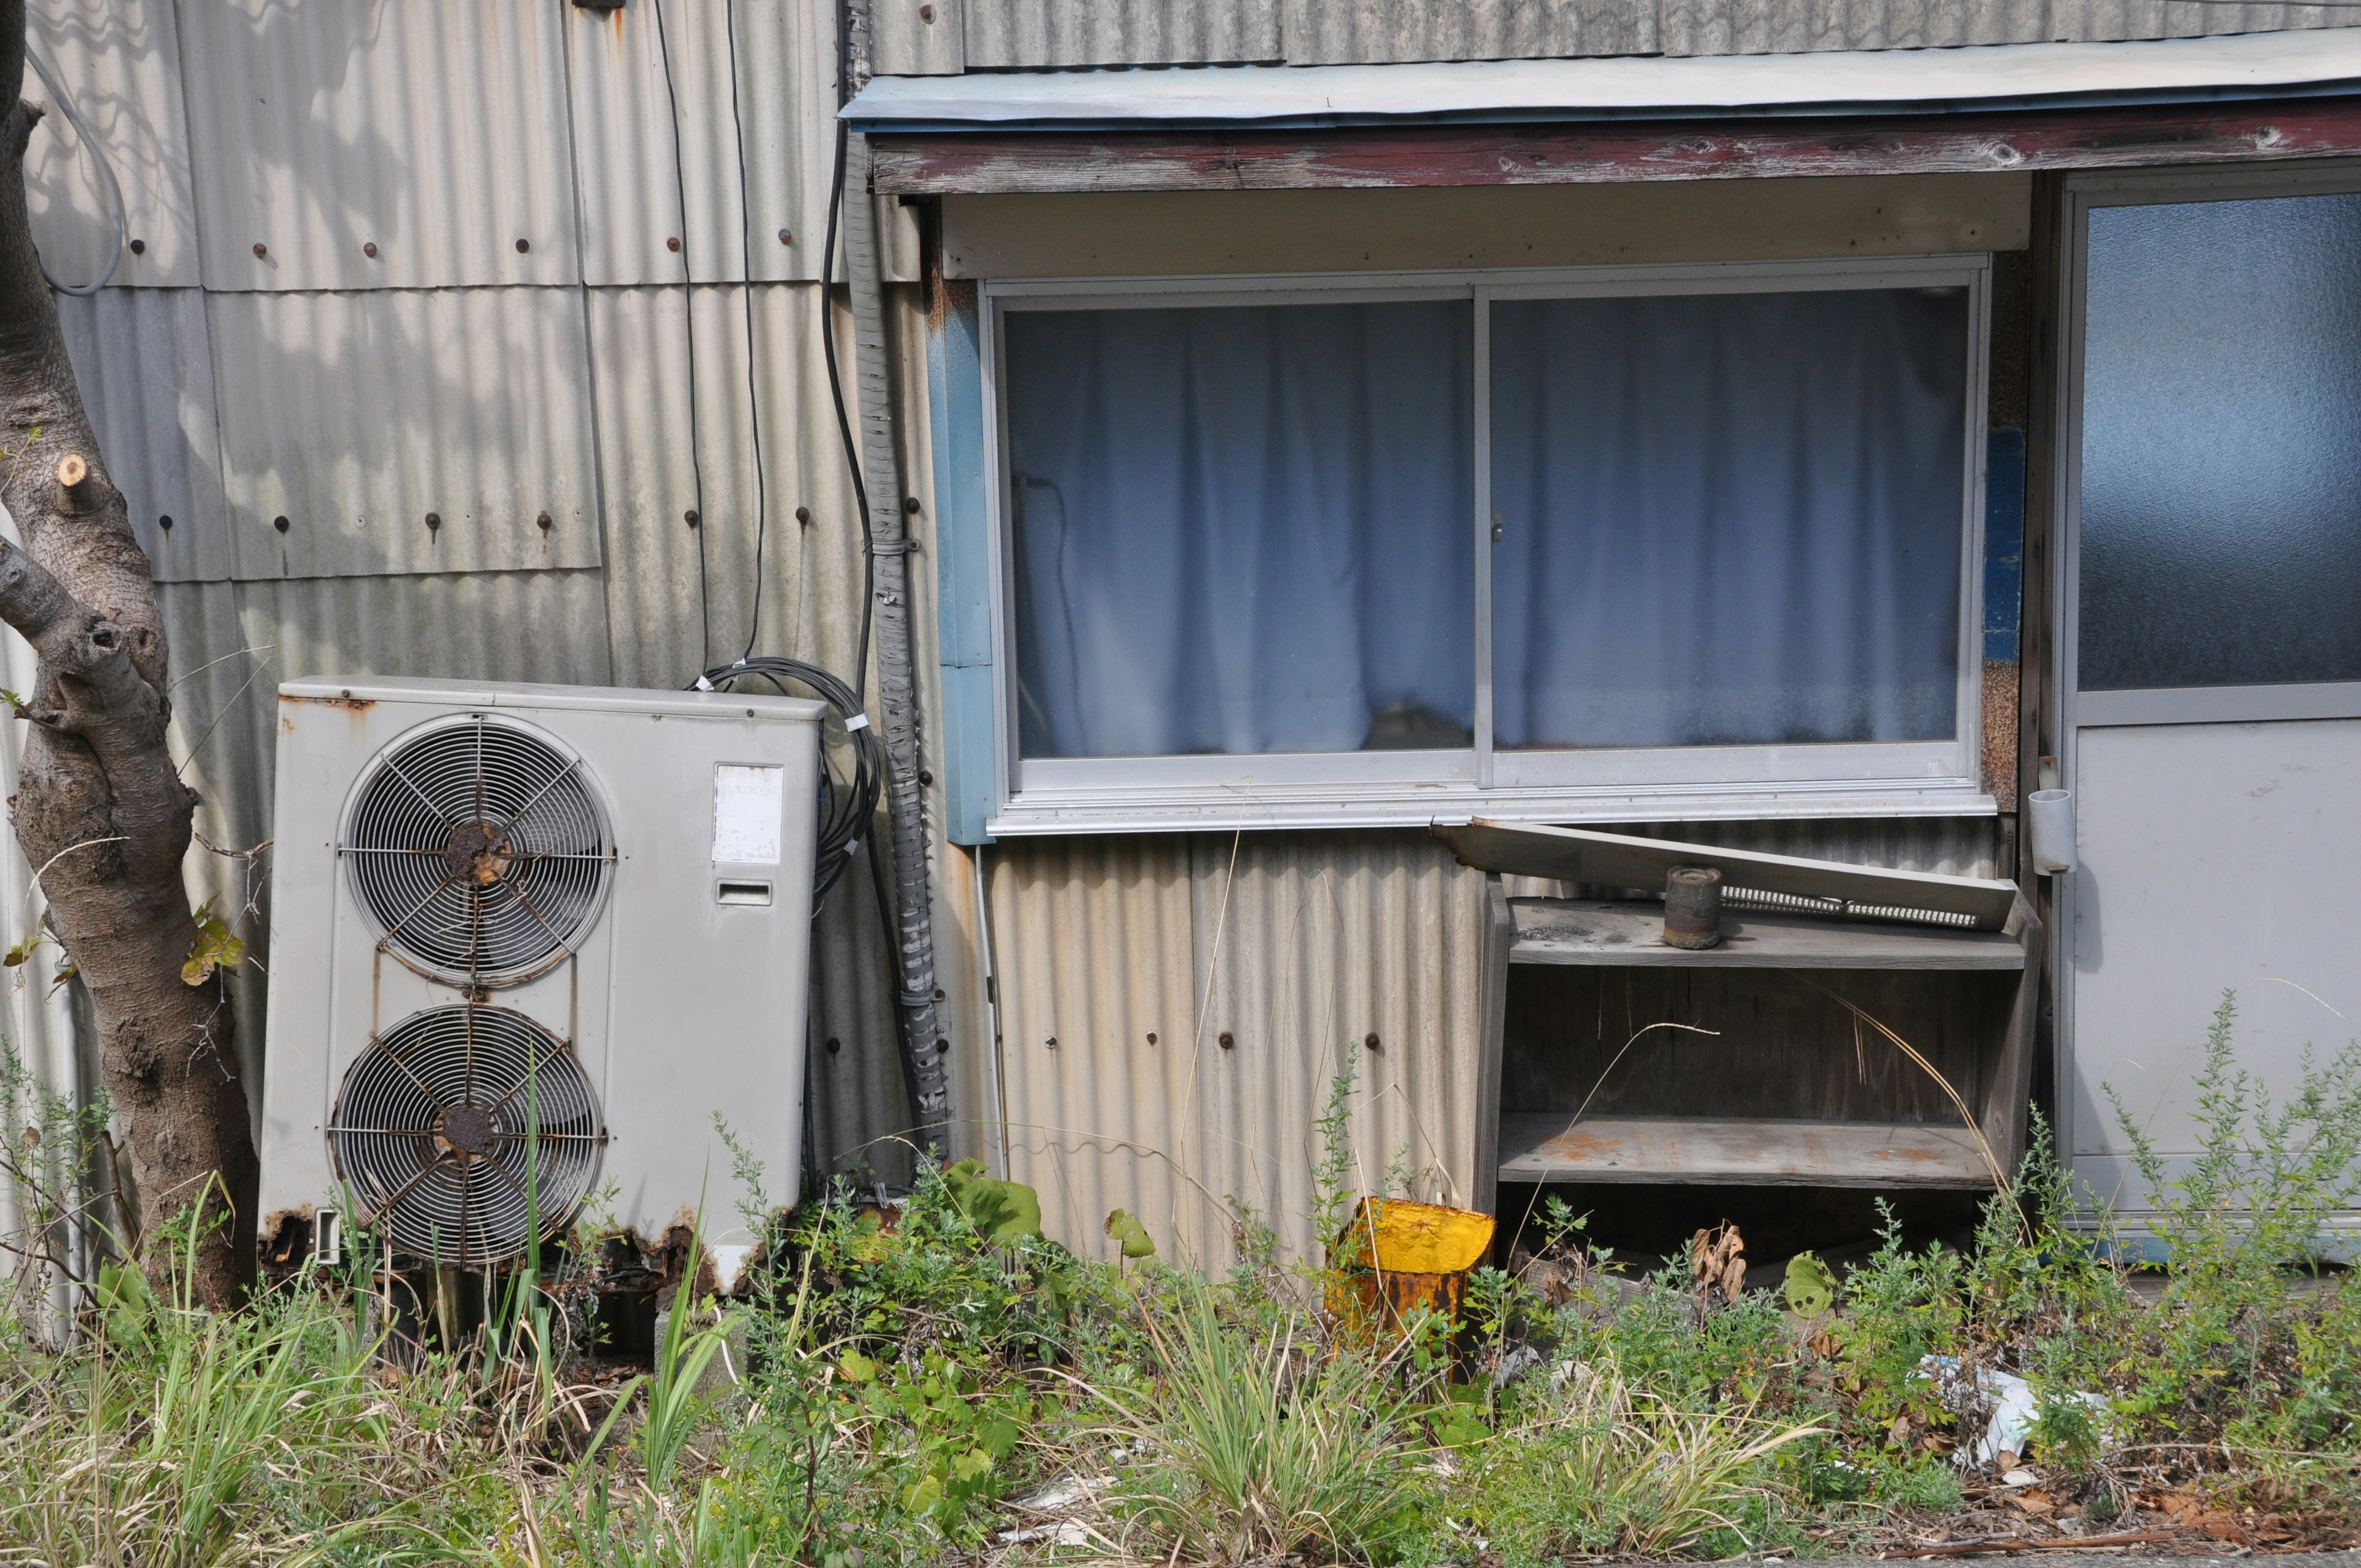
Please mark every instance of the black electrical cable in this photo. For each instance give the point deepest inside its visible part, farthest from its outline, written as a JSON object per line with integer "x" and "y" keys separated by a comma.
{"x": 846, "y": 806}
{"x": 746, "y": 299}
{"x": 843, "y": 421}
{"x": 689, "y": 314}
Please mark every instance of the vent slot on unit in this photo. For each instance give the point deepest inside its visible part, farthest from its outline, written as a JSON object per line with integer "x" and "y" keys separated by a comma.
{"x": 481, "y": 851}
{"x": 459, "y": 1122}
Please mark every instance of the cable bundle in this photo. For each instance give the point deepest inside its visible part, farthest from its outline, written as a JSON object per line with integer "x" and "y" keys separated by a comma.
{"x": 846, "y": 806}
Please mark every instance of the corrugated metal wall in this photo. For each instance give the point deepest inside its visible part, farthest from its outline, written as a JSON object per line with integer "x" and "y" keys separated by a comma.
{"x": 458, "y": 372}
{"x": 1125, "y": 963}
{"x": 999, "y": 35}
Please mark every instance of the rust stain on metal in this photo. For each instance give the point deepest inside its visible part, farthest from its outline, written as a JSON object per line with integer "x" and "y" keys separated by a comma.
{"x": 345, "y": 700}
{"x": 1574, "y": 1144}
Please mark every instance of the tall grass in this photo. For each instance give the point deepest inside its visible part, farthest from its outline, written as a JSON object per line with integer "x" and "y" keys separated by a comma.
{"x": 1251, "y": 1446}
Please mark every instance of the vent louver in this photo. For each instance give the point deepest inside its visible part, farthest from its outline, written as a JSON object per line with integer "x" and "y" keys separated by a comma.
{"x": 481, "y": 851}
{"x": 450, "y": 1117}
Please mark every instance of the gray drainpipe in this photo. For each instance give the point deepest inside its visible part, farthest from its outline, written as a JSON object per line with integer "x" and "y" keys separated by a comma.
{"x": 925, "y": 1052}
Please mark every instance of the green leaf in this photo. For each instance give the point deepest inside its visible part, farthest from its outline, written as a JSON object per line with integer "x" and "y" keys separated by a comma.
{"x": 1810, "y": 1288}
{"x": 22, "y": 950}
{"x": 857, "y": 1368}
{"x": 1004, "y": 1213}
{"x": 1125, "y": 1228}
{"x": 216, "y": 947}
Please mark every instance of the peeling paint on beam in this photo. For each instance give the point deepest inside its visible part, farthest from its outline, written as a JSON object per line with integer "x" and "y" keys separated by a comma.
{"x": 1010, "y": 162}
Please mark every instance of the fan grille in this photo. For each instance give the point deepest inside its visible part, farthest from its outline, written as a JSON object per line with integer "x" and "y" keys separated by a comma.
{"x": 481, "y": 851}
{"x": 432, "y": 1125}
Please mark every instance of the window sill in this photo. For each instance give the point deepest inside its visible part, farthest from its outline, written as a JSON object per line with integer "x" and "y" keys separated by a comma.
{"x": 1149, "y": 810}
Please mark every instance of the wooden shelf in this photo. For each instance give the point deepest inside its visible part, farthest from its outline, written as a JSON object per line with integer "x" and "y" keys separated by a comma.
{"x": 1595, "y": 931}
{"x": 1543, "y": 1147}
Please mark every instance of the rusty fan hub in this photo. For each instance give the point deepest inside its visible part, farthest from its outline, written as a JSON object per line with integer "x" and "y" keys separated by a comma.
{"x": 476, "y": 854}
{"x": 468, "y": 1130}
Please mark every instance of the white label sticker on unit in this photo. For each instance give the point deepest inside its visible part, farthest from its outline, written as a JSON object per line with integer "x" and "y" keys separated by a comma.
{"x": 748, "y": 803}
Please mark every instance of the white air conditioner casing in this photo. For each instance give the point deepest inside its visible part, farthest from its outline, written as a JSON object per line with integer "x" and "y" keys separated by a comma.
{"x": 570, "y": 918}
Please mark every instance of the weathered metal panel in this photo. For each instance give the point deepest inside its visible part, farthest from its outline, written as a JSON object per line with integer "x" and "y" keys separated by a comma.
{"x": 355, "y": 415}
{"x": 1946, "y": 846}
{"x": 673, "y": 577}
{"x": 916, "y": 37}
{"x": 1298, "y": 948}
{"x": 1379, "y": 32}
{"x": 629, "y": 134}
{"x": 144, "y": 363}
{"x": 2213, "y": 858}
{"x": 1001, "y": 34}
{"x": 435, "y": 130}
{"x": 121, "y": 65}
{"x": 1371, "y": 32}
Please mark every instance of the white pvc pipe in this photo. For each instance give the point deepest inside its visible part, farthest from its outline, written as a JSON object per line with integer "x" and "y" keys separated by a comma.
{"x": 2050, "y": 828}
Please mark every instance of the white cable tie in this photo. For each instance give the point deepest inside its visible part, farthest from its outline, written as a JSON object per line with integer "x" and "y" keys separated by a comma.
{"x": 857, "y": 721}
{"x": 703, "y": 684}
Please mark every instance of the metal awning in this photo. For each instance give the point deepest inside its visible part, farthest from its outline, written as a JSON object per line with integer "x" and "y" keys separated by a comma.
{"x": 2245, "y": 67}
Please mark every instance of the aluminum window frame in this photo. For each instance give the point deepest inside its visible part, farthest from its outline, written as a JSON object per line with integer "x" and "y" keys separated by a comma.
{"x": 1936, "y": 777}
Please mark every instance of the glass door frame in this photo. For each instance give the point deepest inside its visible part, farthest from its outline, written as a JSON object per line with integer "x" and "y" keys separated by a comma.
{"x": 2077, "y": 709}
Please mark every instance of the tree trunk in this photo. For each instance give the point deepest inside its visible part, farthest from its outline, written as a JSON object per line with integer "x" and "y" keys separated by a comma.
{"x": 100, "y": 809}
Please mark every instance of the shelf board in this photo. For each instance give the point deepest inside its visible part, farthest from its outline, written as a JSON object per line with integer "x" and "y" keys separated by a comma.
{"x": 1542, "y": 1147}
{"x": 1628, "y": 932}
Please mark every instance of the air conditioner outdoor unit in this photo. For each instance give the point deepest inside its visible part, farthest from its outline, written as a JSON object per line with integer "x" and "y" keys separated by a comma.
{"x": 526, "y": 941}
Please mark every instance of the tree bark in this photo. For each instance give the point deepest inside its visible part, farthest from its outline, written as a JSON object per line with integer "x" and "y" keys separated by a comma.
{"x": 100, "y": 810}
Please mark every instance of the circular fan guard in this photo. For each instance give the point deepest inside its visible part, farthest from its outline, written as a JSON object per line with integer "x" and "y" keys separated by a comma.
{"x": 431, "y": 1130}
{"x": 481, "y": 851}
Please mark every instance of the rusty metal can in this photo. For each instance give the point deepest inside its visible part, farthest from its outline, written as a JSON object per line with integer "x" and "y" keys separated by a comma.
{"x": 1692, "y": 907}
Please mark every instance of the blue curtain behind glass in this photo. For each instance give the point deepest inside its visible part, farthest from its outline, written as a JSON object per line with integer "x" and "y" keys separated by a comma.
{"x": 1242, "y": 529}
{"x": 1728, "y": 518}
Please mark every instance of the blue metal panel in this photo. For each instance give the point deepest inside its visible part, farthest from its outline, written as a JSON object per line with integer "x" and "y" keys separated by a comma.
{"x": 963, "y": 560}
{"x": 2004, "y": 542}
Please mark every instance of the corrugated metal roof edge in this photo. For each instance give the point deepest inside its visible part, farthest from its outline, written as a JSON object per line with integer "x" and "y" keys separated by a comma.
{"x": 1975, "y": 78}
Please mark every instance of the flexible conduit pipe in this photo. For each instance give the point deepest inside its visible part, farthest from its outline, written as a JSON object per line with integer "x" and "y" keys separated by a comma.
{"x": 924, "y": 1051}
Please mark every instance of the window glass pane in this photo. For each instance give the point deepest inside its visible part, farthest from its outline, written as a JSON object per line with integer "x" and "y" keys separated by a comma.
{"x": 2222, "y": 444}
{"x": 1728, "y": 518}
{"x": 1242, "y": 529}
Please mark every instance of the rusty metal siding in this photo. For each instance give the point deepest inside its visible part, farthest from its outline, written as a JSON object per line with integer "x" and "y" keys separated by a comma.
{"x": 121, "y": 64}
{"x": 1041, "y": 33}
{"x": 1385, "y": 32}
{"x": 435, "y": 129}
{"x": 1375, "y": 32}
{"x": 1299, "y": 947}
{"x": 354, "y": 415}
{"x": 625, "y": 132}
{"x": 144, "y": 361}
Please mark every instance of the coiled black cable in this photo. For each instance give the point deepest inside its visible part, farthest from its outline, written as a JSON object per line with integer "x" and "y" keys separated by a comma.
{"x": 847, "y": 806}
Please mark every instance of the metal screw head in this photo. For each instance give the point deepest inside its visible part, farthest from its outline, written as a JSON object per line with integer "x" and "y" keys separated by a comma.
{"x": 927, "y": 13}
{"x": 542, "y": 522}
{"x": 524, "y": 246}
{"x": 370, "y": 249}
{"x": 1151, "y": 1036}
{"x": 1052, "y": 1042}
{"x": 279, "y": 524}
{"x": 943, "y": 1047}
{"x": 165, "y": 522}
{"x": 834, "y": 1045}
{"x": 672, "y": 243}
{"x": 1225, "y": 1042}
{"x": 1370, "y": 1041}
{"x": 433, "y": 521}
{"x": 260, "y": 250}
{"x": 689, "y": 517}
{"x": 910, "y": 505}
{"x": 786, "y": 236}
{"x": 803, "y": 515}
{"x": 138, "y": 247}
{"x": 925, "y": 775}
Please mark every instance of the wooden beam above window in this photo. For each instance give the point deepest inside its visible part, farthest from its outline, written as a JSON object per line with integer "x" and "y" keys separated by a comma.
{"x": 993, "y": 162}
